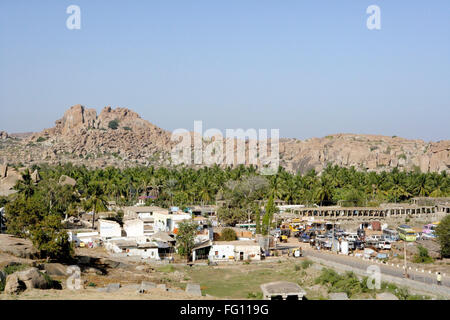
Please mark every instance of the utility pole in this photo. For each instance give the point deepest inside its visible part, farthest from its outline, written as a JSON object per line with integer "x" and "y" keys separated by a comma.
{"x": 404, "y": 247}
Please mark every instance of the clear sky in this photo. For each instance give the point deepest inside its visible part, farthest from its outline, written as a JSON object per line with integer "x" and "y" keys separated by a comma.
{"x": 307, "y": 67}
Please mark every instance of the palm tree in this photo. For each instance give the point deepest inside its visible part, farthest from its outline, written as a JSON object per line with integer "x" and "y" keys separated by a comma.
{"x": 25, "y": 185}
{"x": 97, "y": 200}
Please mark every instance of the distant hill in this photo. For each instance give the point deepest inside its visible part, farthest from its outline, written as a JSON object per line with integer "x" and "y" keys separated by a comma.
{"x": 120, "y": 137}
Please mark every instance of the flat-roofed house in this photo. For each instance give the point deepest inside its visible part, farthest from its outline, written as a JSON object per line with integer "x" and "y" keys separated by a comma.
{"x": 168, "y": 221}
{"x": 109, "y": 229}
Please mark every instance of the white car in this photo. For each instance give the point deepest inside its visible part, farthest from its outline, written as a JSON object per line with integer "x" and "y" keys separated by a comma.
{"x": 384, "y": 245}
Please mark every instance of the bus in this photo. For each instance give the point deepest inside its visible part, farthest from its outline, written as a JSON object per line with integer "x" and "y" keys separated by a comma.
{"x": 406, "y": 233}
{"x": 429, "y": 228}
{"x": 390, "y": 235}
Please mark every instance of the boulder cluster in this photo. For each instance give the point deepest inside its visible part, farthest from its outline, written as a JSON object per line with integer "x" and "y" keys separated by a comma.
{"x": 120, "y": 137}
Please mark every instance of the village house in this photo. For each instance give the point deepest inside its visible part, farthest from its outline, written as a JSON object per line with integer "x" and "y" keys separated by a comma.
{"x": 85, "y": 238}
{"x": 109, "y": 229}
{"x": 134, "y": 228}
{"x": 168, "y": 220}
{"x": 235, "y": 250}
{"x": 134, "y": 212}
{"x": 148, "y": 249}
{"x": 146, "y": 215}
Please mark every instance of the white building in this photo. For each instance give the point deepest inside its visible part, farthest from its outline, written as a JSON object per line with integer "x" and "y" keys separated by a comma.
{"x": 132, "y": 248}
{"x": 168, "y": 221}
{"x": 109, "y": 229}
{"x": 235, "y": 251}
{"x": 134, "y": 228}
{"x": 83, "y": 237}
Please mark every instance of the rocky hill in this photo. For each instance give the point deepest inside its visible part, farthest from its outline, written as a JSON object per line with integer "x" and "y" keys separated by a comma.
{"x": 120, "y": 137}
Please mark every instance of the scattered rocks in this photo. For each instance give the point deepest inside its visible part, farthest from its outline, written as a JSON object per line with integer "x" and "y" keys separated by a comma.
{"x": 14, "y": 285}
{"x": 386, "y": 296}
{"x": 338, "y": 296}
{"x": 83, "y": 137}
{"x": 146, "y": 285}
{"x": 161, "y": 286}
{"x": 55, "y": 269}
{"x": 21, "y": 248}
{"x": 33, "y": 279}
{"x": 112, "y": 287}
{"x": 193, "y": 289}
{"x": 65, "y": 180}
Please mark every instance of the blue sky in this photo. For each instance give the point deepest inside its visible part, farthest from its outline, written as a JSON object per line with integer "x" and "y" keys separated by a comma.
{"x": 309, "y": 68}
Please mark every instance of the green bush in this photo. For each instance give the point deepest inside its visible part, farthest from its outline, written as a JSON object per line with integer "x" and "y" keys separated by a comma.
{"x": 348, "y": 283}
{"x": 41, "y": 139}
{"x": 126, "y": 128}
{"x": 14, "y": 268}
{"x": 422, "y": 256}
{"x": 443, "y": 236}
{"x": 228, "y": 234}
{"x": 306, "y": 264}
{"x": 113, "y": 124}
{"x": 255, "y": 295}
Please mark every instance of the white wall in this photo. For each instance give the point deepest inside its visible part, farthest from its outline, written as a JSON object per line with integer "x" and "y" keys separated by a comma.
{"x": 109, "y": 229}
{"x": 224, "y": 252}
{"x": 250, "y": 252}
{"x": 134, "y": 228}
{"x": 147, "y": 253}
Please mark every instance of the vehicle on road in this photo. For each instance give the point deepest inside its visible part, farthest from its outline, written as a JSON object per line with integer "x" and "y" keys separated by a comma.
{"x": 406, "y": 233}
{"x": 384, "y": 245}
{"x": 304, "y": 238}
{"x": 390, "y": 235}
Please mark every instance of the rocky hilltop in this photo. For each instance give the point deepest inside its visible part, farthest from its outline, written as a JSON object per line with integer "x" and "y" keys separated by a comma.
{"x": 120, "y": 137}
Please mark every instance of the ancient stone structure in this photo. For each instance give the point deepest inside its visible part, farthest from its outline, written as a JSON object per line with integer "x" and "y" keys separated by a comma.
{"x": 361, "y": 212}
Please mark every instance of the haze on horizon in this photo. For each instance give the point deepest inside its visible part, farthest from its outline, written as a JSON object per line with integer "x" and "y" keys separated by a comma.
{"x": 308, "y": 68}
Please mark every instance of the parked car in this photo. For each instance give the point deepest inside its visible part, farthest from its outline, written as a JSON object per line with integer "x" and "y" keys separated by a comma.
{"x": 304, "y": 238}
{"x": 428, "y": 236}
{"x": 351, "y": 237}
{"x": 384, "y": 245}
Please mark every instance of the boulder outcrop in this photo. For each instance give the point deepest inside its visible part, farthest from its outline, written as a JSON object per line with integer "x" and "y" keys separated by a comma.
{"x": 83, "y": 137}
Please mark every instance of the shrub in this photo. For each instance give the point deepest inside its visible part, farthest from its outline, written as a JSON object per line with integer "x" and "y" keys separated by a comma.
{"x": 41, "y": 139}
{"x": 14, "y": 268}
{"x": 228, "y": 234}
{"x": 127, "y": 128}
{"x": 306, "y": 264}
{"x": 255, "y": 295}
{"x": 348, "y": 283}
{"x": 443, "y": 236}
{"x": 422, "y": 256}
{"x": 113, "y": 124}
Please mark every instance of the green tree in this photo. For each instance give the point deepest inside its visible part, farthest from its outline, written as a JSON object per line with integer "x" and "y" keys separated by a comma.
{"x": 113, "y": 124}
{"x": 228, "y": 234}
{"x": 97, "y": 200}
{"x": 51, "y": 239}
{"x": 443, "y": 236}
{"x": 422, "y": 256}
{"x": 268, "y": 216}
{"x": 257, "y": 212}
{"x": 185, "y": 238}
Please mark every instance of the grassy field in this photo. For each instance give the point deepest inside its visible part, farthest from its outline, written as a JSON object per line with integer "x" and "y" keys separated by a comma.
{"x": 242, "y": 281}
